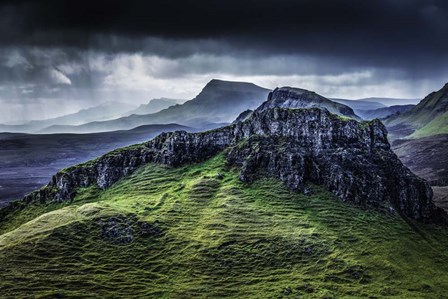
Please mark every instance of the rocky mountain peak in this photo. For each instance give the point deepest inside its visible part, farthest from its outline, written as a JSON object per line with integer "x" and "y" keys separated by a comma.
{"x": 295, "y": 98}
{"x": 300, "y": 147}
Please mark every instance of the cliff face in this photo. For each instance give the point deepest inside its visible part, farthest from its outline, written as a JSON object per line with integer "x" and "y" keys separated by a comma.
{"x": 351, "y": 159}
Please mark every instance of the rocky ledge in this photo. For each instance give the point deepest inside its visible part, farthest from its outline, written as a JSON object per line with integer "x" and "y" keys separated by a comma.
{"x": 290, "y": 97}
{"x": 353, "y": 160}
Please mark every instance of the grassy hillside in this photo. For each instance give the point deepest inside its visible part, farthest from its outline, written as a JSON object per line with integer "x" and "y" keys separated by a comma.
{"x": 439, "y": 125}
{"x": 198, "y": 231}
{"x": 425, "y": 119}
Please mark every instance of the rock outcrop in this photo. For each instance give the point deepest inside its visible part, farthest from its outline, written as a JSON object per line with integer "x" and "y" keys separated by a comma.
{"x": 353, "y": 160}
{"x": 243, "y": 116}
{"x": 295, "y": 98}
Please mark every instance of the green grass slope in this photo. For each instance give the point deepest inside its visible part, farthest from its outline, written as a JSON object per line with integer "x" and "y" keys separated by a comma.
{"x": 198, "y": 231}
{"x": 408, "y": 123}
{"x": 438, "y": 125}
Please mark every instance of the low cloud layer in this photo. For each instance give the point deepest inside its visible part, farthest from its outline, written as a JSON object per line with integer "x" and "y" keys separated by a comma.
{"x": 59, "y": 56}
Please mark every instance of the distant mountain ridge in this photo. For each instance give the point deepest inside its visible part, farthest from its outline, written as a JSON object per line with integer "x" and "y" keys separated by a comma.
{"x": 384, "y": 112}
{"x": 370, "y": 108}
{"x": 391, "y": 101}
{"x": 155, "y": 105}
{"x": 103, "y": 111}
{"x": 359, "y": 105}
{"x": 219, "y": 102}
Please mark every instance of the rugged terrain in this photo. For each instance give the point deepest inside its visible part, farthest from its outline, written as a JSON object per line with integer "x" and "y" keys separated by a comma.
{"x": 294, "y": 98}
{"x": 353, "y": 160}
{"x": 287, "y": 202}
{"x": 198, "y": 230}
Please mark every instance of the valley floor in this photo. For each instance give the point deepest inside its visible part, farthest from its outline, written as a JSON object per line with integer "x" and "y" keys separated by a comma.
{"x": 427, "y": 157}
{"x": 198, "y": 231}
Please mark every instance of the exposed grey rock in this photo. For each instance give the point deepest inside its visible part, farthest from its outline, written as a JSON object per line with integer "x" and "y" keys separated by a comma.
{"x": 243, "y": 116}
{"x": 353, "y": 160}
{"x": 289, "y": 97}
{"x": 117, "y": 230}
{"x": 308, "y": 191}
{"x": 123, "y": 230}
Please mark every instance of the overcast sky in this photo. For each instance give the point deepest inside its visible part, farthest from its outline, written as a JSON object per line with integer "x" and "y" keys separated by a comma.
{"x": 60, "y": 56}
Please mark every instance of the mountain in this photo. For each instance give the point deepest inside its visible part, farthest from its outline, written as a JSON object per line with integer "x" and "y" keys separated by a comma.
{"x": 298, "y": 202}
{"x": 370, "y": 108}
{"x": 384, "y": 112}
{"x": 27, "y": 161}
{"x": 218, "y": 102}
{"x": 420, "y": 137}
{"x": 425, "y": 119}
{"x": 155, "y": 105}
{"x": 104, "y": 111}
{"x": 367, "y": 172}
{"x": 390, "y": 101}
{"x": 296, "y": 98}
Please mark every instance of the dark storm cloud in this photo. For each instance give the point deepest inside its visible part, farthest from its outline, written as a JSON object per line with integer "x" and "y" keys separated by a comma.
{"x": 365, "y": 29}
{"x": 73, "y": 50}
